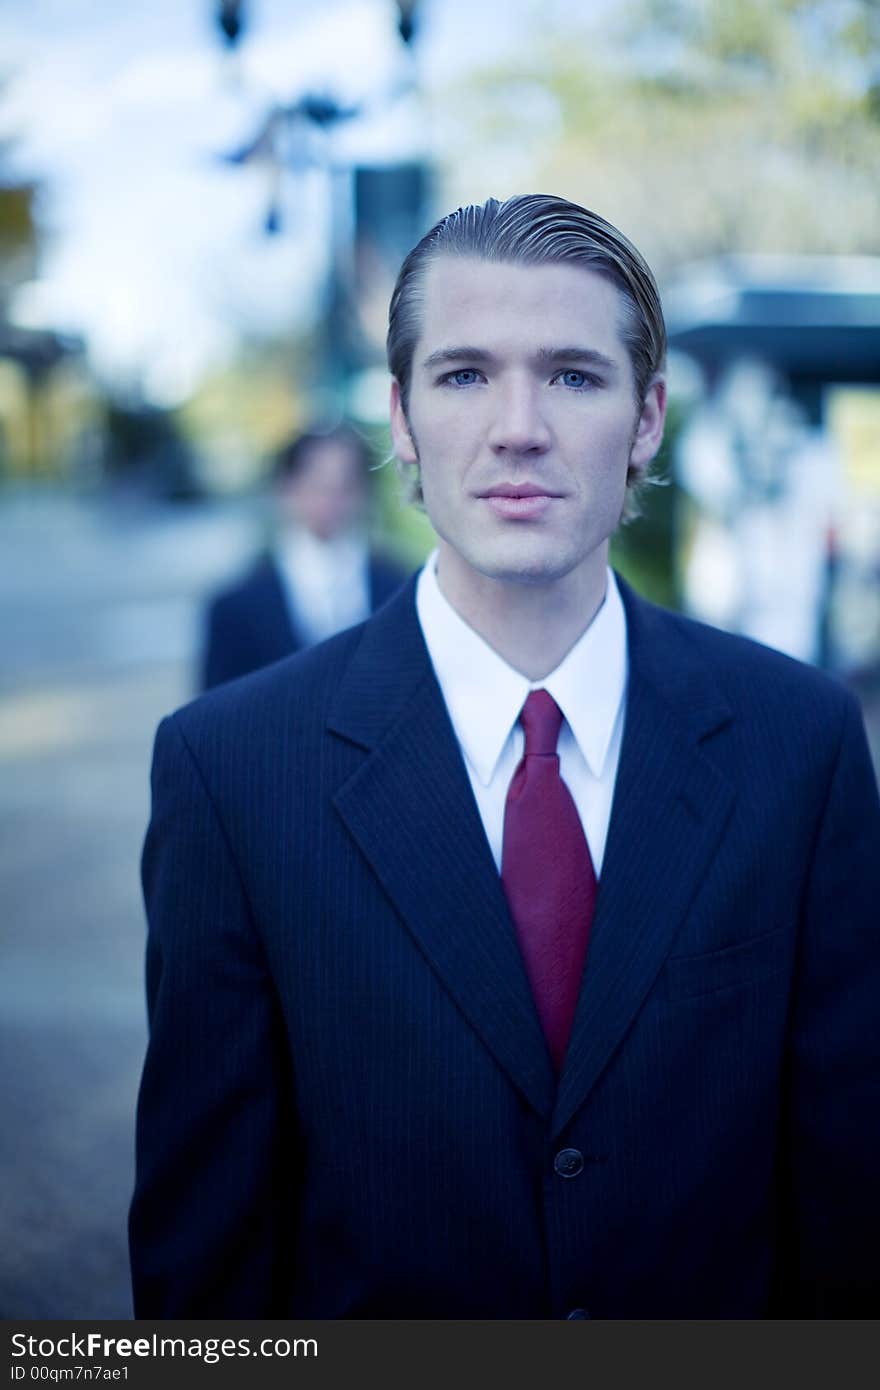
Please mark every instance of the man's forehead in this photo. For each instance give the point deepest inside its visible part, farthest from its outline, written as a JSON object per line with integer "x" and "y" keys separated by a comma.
{"x": 512, "y": 296}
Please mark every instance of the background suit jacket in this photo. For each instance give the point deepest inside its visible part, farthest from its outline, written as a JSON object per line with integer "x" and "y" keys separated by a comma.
{"x": 250, "y": 625}
{"x": 347, "y": 1107}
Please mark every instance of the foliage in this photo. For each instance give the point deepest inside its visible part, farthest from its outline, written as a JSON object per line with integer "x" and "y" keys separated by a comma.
{"x": 699, "y": 126}
{"x": 644, "y": 550}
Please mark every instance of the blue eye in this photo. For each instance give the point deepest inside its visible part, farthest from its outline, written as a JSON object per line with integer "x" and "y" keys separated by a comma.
{"x": 460, "y": 377}
{"x": 574, "y": 379}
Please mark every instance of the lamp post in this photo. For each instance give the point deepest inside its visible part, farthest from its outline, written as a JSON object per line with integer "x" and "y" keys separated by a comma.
{"x": 368, "y": 206}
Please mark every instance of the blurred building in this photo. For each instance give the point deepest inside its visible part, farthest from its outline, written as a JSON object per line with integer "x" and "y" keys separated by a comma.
{"x": 49, "y": 422}
{"x": 780, "y": 462}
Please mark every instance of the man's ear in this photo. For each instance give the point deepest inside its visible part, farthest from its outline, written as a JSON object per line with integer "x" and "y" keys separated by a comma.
{"x": 404, "y": 447}
{"x": 649, "y": 430}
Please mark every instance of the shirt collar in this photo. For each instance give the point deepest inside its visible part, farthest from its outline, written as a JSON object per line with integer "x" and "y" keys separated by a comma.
{"x": 296, "y": 544}
{"x": 484, "y": 695}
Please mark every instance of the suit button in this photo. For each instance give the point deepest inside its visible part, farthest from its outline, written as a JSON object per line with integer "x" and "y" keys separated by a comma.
{"x": 576, "y": 1313}
{"x": 569, "y": 1162}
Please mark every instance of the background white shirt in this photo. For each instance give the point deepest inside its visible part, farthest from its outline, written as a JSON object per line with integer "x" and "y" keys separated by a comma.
{"x": 326, "y": 583}
{"x": 484, "y": 696}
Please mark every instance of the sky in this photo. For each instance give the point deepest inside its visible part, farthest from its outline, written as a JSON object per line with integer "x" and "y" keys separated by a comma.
{"x": 155, "y": 250}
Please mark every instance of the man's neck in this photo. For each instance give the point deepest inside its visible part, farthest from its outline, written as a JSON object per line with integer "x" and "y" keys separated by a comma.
{"x": 531, "y": 626}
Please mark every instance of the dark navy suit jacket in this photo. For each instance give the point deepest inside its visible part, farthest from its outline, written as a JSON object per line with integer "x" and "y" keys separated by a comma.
{"x": 249, "y": 624}
{"x": 348, "y": 1109}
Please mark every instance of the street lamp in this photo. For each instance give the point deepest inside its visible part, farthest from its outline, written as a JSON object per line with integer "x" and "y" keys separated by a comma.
{"x": 375, "y": 211}
{"x": 230, "y": 20}
{"x": 406, "y": 24}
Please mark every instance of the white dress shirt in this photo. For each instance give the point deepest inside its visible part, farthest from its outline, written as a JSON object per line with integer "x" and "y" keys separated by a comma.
{"x": 484, "y": 697}
{"x": 326, "y": 583}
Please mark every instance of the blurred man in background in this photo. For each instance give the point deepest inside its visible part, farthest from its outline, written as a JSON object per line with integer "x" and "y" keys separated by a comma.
{"x": 320, "y": 576}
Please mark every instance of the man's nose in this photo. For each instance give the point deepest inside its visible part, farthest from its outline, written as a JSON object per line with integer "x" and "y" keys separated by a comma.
{"x": 518, "y": 424}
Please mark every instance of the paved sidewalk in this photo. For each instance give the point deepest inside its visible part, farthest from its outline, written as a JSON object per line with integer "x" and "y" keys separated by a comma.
{"x": 99, "y": 611}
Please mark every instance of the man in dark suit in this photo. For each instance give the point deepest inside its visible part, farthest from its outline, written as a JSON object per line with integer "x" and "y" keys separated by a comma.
{"x": 320, "y": 575}
{"x": 515, "y": 954}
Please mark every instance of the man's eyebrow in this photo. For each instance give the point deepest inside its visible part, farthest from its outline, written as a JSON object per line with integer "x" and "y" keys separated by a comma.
{"x": 456, "y": 354}
{"x": 588, "y": 357}
{"x": 583, "y": 356}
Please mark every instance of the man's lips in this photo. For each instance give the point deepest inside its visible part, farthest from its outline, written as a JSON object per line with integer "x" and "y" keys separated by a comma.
{"x": 518, "y": 490}
{"x": 519, "y": 501}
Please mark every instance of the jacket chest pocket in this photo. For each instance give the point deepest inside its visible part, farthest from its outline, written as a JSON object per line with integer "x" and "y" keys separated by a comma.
{"x": 748, "y": 962}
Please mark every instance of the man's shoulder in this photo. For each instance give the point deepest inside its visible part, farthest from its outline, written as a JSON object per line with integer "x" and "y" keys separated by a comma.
{"x": 291, "y": 699}
{"x": 298, "y": 688}
{"x": 246, "y": 586}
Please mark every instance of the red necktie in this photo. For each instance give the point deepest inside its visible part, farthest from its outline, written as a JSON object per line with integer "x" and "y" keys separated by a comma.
{"x": 547, "y": 873}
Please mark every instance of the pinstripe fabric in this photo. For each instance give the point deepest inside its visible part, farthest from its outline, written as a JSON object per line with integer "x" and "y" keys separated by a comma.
{"x": 347, "y": 1107}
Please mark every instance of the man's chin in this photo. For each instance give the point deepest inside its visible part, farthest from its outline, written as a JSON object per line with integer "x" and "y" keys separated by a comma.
{"x": 527, "y": 562}
{"x": 529, "y": 570}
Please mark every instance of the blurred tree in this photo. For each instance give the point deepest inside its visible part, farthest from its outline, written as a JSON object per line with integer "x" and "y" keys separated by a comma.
{"x": 29, "y": 357}
{"x": 700, "y": 126}
{"x": 18, "y": 236}
{"x": 19, "y": 240}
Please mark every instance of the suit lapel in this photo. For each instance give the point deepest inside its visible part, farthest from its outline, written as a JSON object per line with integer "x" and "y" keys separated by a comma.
{"x": 670, "y": 808}
{"x": 411, "y": 810}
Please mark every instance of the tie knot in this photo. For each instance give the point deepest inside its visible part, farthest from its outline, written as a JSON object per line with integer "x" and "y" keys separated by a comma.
{"x": 541, "y": 719}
